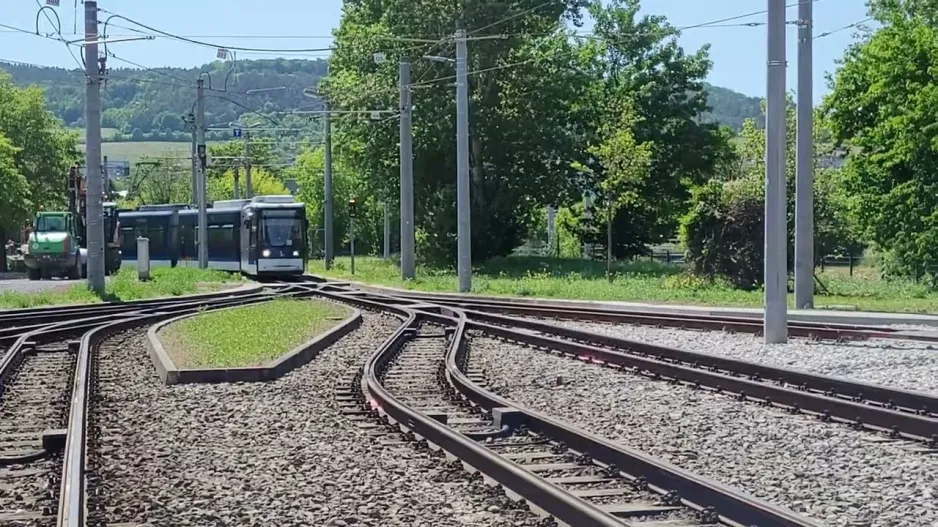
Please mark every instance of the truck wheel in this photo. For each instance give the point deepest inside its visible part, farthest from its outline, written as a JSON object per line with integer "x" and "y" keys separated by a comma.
{"x": 34, "y": 274}
{"x": 74, "y": 272}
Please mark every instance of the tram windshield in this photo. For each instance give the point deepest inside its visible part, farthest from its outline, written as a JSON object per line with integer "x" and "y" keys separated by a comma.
{"x": 282, "y": 229}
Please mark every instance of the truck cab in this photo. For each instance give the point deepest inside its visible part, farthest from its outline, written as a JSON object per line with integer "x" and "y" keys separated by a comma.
{"x": 54, "y": 247}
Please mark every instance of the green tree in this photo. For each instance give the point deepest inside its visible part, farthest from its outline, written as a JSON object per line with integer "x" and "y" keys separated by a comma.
{"x": 666, "y": 90}
{"x": 43, "y": 148}
{"x": 263, "y": 183}
{"x": 883, "y": 106}
{"x": 724, "y": 230}
{"x": 369, "y": 227}
{"x": 158, "y": 183}
{"x": 626, "y": 168}
{"x": 522, "y": 113}
{"x": 14, "y": 196}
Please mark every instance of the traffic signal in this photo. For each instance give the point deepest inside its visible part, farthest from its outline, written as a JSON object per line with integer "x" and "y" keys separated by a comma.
{"x": 352, "y": 207}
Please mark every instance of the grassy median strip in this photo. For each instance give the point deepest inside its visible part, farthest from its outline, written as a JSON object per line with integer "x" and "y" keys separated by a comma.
{"x": 124, "y": 286}
{"x": 248, "y": 336}
{"x": 639, "y": 281}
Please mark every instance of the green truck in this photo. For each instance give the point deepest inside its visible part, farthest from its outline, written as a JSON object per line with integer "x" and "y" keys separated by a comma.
{"x": 57, "y": 247}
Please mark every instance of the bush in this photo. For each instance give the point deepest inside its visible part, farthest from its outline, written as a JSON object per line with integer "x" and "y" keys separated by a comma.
{"x": 724, "y": 233}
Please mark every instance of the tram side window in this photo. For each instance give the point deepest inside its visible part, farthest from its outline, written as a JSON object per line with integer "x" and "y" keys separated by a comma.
{"x": 128, "y": 243}
{"x": 222, "y": 244}
{"x": 157, "y": 236}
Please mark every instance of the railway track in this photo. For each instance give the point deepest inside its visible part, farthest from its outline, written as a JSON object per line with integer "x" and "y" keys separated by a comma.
{"x": 33, "y": 411}
{"x": 420, "y": 382}
{"x": 407, "y": 381}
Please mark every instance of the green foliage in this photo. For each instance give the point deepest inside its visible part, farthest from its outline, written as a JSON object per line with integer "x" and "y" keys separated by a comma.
{"x": 263, "y": 183}
{"x": 231, "y": 337}
{"x": 146, "y": 101}
{"x": 369, "y": 225}
{"x": 724, "y": 230}
{"x": 40, "y": 148}
{"x": 731, "y": 109}
{"x": 667, "y": 94}
{"x": 14, "y": 189}
{"x": 158, "y": 183}
{"x": 883, "y": 103}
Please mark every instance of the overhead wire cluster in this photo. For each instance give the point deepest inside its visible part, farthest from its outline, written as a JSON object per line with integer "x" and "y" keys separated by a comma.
{"x": 136, "y": 27}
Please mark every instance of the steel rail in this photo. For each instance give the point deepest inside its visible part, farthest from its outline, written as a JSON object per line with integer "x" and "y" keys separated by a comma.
{"x": 820, "y": 330}
{"x": 917, "y": 402}
{"x": 538, "y": 491}
{"x": 35, "y": 316}
{"x": 913, "y": 426}
{"x": 72, "y": 505}
{"x": 695, "y": 491}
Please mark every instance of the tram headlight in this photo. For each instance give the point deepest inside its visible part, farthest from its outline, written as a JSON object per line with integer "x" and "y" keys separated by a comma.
{"x": 296, "y": 253}
{"x": 266, "y": 253}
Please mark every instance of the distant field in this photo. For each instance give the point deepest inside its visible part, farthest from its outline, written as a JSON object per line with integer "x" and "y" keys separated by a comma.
{"x": 106, "y": 133}
{"x": 133, "y": 152}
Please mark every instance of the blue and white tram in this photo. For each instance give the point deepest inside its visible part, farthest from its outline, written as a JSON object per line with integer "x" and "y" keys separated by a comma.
{"x": 273, "y": 237}
{"x": 263, "y": 236}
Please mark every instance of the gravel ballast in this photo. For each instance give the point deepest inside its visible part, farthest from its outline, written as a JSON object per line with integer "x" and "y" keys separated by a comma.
{"x": 903, "y": 364}
{"x": 276, "y": 453}
{"x": 828, "y": 472}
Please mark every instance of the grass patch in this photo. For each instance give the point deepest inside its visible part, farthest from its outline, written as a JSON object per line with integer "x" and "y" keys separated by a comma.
{"x": 248, "y": 336}
{"x": 641, "y": 281}
{"x": 124, "y": 286}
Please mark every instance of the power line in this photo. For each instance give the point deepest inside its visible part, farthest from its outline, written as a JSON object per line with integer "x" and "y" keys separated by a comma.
{"x": 512, "y": 17}
{"x": 153, "y": 70}
{"x": 58, "y": 29}
{"x": 843, "y": 28}
{"x": 203, "y": 43}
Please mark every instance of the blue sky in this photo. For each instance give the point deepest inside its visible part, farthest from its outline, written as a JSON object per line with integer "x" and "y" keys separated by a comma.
{"x": 738, "y": 53}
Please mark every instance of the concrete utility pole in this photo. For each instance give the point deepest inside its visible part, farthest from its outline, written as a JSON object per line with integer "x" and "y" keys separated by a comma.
{"x": 94, "y": 214}
{"x": 464, "y": 228}
{"x": 408, "y": 242}
{"x": 327, "y": 188}
{"x": 551, "y": 230}
{"x": 387, "y": 232}
{"x": 203, "y": 212}
{"x": 194, "y": 200}
{"x": 237, "y": 182}
{"x": 804, "y": 180}
{"x": 248, "y": 186}
{"x": 776, "y": 239}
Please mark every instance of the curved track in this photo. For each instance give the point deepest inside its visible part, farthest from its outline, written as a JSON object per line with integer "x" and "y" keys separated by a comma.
{"x": 420, "y": 381}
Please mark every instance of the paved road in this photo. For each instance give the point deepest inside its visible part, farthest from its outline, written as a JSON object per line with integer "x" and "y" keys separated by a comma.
{"x": 29, "y": 286}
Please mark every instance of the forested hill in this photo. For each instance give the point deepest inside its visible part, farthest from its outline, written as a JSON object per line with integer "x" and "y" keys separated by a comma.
{"x": 731, "y": 108}
{"x": 148, "y": 104}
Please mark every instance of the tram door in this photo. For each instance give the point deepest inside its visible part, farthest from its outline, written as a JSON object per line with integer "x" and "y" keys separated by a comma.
{"x": 248, "y": 251}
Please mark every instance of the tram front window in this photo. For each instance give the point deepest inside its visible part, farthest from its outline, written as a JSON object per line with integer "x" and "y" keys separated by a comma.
{"x": 282, "y": 231}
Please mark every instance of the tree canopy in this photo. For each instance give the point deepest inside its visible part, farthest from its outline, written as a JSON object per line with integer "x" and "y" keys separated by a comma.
{"x": 882, "y": 105}
{"x": 538, "y": 101}
{"x": 34, "y": 148}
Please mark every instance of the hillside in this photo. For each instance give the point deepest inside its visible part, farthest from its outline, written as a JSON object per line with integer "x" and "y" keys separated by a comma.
{"x": 731, "y": 108}
{"x": 147, "y": 105}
